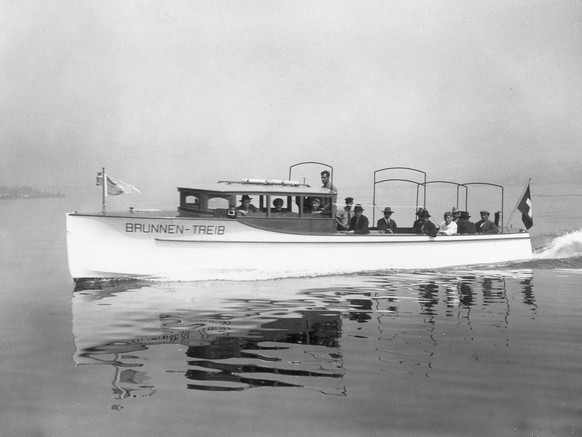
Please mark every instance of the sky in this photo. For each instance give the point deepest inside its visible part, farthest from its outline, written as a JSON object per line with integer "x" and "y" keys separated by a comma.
{"x": 171, "y": 93}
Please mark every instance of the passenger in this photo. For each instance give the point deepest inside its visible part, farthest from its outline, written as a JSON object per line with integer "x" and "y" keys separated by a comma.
{"x": 386, "y": 224}
{"x": 344, "y": 215}
{"x": 448, "y": 227}
{"x": 417, "y": 222}
{"x": 278, "y": 204}
{"x": 327, "y": 202}
{"x": 464, "y": 226}
{"x": 325, "y": 179}
{"x": 316, "y": 206}
{"x": 456, "y": 213}
{"x": 359, "y": 223}
{"x": 486, "y": 226}
{"x": 424, "y": 226}
{"x": 246, "y": 206}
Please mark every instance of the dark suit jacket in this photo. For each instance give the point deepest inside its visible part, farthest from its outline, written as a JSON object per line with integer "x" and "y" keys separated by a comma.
{"x": 426, "y": 228}
{"x": 465, "y": 227}
{"x": 359, "y": 226}
{"x": 382, "y": 225}
{"x": 486, "y": 227}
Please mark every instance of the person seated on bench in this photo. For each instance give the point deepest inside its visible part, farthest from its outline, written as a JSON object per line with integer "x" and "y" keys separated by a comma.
{"x": 359, "y": 223}
{"x": 386, "y": 224}
{"x": 278, "y": 206}
{"x": 424, "y": 226}
{"x": 246, "y": 206}
{"x": 448, "y": 227}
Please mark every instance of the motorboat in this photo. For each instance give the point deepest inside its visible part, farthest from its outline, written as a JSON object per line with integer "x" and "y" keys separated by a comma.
{"x": 208, "y": 237}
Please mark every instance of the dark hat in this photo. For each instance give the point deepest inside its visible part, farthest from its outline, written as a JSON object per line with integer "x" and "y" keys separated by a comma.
{"x": 388, "y": 210}
{"x": 358, "y": 208}
{"x": 278, "y": 200}
{"x": 484, "y": 212}
{"x": 245, "y": 197}
{"x": 424, "y": 214}
{"x": 349, "y": 200}
{"x": 325, "y": 173}
{"x": 465, "y": 215}
{"x": 420, "y": 211}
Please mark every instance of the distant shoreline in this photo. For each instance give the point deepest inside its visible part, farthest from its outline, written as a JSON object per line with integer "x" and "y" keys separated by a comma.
{"x": 26, "y": 192}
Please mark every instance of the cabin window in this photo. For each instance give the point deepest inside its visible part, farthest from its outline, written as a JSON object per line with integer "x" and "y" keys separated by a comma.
{"x": 218, "y": 203}
{"x": 192, "y": 201}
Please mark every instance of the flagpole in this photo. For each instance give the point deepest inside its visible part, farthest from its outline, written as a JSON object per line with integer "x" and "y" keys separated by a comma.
{"x": 518, "y": 200}
{"x": 104, "y": 191}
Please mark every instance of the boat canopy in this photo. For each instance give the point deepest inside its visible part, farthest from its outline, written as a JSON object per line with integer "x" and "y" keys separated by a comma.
{"x": 260, "y": 186}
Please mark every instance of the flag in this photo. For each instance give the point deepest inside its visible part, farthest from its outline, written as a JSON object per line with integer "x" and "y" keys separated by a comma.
{"x": 116, "y": 186}
{"x": 525, "y": 208}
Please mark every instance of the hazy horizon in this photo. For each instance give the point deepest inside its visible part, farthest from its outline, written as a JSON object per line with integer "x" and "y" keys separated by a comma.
{"x": 172, "y": 93}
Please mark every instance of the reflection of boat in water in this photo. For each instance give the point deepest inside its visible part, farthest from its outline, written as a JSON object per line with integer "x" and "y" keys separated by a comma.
{"x": 204, "y": 237}
{"x": 223, "y": 336}
{"x": 254, "y": 344}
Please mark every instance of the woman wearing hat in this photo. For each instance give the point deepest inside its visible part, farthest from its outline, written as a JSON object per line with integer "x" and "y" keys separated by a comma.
{"x": 424, "y": 226}
{"x": 359, "y": 223}
{"x": 386, "y": 224}
{"x": 278, "y": 205}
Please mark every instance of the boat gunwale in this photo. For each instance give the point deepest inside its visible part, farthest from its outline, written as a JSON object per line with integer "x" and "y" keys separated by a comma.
{"x": 365, "y": 238}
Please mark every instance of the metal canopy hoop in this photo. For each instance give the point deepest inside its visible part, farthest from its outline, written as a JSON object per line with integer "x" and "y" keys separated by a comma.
{"x": 491, "y": 185}
{"x": 458, "y": 185}
{"x": 418, "y": 184}
{"x": 313, "y": 162}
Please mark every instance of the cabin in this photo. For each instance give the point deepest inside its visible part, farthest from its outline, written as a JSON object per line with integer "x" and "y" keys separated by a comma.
{"x": 222, "y": 200}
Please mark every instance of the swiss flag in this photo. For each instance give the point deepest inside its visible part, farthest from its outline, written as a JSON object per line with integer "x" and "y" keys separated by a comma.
{"x": 525, "y": 208}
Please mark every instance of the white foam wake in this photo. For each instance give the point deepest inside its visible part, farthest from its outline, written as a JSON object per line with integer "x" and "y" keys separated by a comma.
{"x": 563, "y": 246}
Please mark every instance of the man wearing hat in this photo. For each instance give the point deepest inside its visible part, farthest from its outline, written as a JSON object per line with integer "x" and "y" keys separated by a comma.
{"x": 386, "y": 224}
{"x": 246, "y": 205}
{"x": 344, "y": 215}
{"x": 464, "y": 226}
{"x": 486, "y": 226}
{"x": 456, "y": 213}
{"x": 359, "y": 223}
{"x": 423, "y": 225}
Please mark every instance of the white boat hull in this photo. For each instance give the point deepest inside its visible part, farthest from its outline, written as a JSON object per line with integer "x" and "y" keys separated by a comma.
{"x": 105, "y": 246}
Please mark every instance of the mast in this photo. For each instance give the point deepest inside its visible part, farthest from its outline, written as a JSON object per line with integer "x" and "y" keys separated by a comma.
{"x": 103, "y": 191}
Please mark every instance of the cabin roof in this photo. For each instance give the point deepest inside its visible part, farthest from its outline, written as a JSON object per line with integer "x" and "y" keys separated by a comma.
{"x": 280, "y": 188}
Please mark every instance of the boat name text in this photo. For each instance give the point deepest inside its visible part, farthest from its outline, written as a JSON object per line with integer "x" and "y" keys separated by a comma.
{"x": 149, "y": 228}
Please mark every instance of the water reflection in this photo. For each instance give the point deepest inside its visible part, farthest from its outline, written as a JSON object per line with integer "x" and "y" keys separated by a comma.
{"x": 295, "y": 334}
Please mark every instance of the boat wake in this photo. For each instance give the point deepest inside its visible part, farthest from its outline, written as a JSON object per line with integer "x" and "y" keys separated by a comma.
{"x": 563, "y": 246}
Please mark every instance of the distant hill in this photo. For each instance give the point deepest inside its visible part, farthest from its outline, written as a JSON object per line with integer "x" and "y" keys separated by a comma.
{"x": 26, "y": 192}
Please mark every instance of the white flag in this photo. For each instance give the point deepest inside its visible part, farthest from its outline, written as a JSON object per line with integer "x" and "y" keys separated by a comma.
{"x": 116, "y": 186}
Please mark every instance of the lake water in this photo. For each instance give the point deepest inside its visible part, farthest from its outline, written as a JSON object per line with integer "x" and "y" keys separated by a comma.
{"x": 487, "y": 351}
